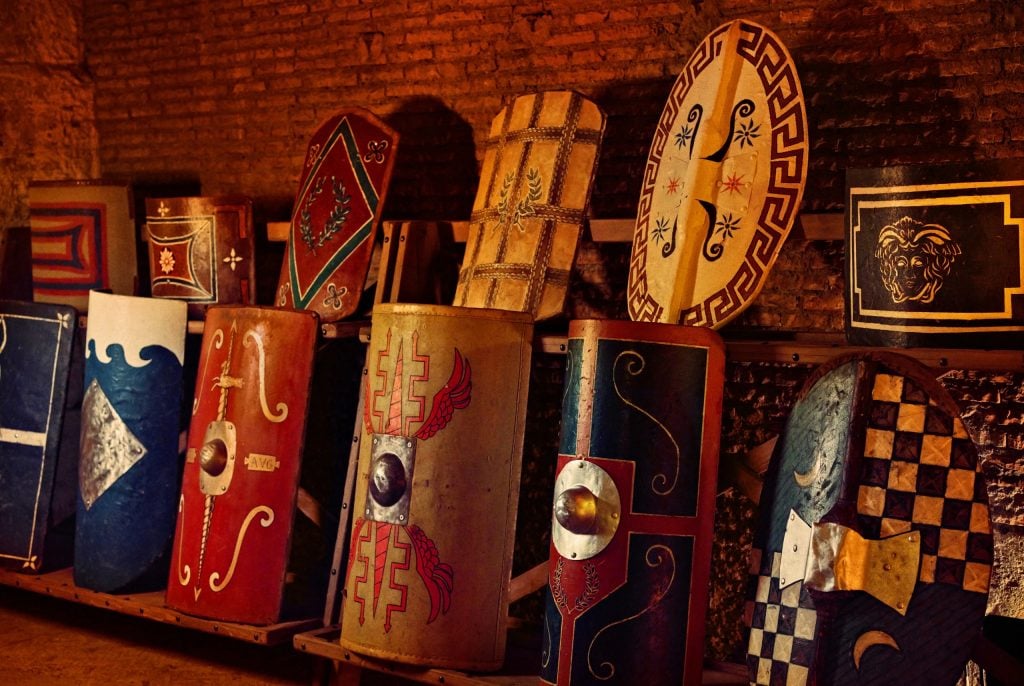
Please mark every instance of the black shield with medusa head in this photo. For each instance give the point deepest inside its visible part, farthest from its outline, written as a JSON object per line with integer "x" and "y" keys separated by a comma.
{"x": 914, "y": 258}
{"x": 934, "y": 257}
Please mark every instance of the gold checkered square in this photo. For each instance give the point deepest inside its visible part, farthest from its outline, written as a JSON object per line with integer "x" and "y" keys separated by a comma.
{"x": 976, "y": 577}
{"x": 888, "y": 388}
{"x": 935, "y": 450}
{"x": 980, "y": 523}
{"x": 927, "y": 510}
{"x": 893, "y": 527}
{"x": 927, "y": 574}
{"x": 960, "y": 484}
{"x": 911, "y": 418}
{"x": 871, "y": 500}
{"x": 878, "y": 443}
{"x": 903, "y": 476}
{"x": 953, "y": 544}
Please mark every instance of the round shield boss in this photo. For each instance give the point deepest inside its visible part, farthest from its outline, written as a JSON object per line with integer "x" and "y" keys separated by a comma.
{"x": 586, "y": 510}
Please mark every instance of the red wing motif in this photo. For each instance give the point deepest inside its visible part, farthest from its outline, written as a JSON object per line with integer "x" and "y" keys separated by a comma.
{"x": 437, "y": 576}
{"x": 455, "y": 395}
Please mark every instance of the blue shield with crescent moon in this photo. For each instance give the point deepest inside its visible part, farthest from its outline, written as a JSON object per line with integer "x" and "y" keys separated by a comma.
{"x": 874, "y": 544}
{"x": 129, "y": 467}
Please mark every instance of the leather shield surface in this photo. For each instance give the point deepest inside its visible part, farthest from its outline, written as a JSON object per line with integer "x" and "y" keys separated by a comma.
{"x": 342, "y": 187}
{"x": 437, "y": 485}
{"x": 238, "y": 493}
{"x": 83, "y": 238}
{"x": 723, "y": 181}
{"x": 934, "y": 256}
{"x": 201, "y": 250}
{"x": 36, "y": 341}
{"x": 633, "y": 504}
{"x": 539, "y": 163}
{"x": 873, "y": 550}
{"x": 128, "y": 469}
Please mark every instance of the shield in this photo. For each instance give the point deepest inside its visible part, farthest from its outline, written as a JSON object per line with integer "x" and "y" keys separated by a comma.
{"x": 934, "y": 256}
{"x": 201, "y": 250}
{"x": 128, "y": 469}
{"x": 634, "y": 504}
{"x": 341, "y": 191}
{"x": 83, "y": 238}
{"x": 723, "y": 181}
{"x": 238, "y": 493}
{"x": 437, "y": 485}
{"x": 36, "y": 341}
{"x": 534, "y": 191}
{"x": 872, "y": 555}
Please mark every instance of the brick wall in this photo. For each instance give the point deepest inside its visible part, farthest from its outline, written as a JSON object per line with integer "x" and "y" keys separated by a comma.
{"x": 46, "y": 110}
{"x": 228, "y": 92}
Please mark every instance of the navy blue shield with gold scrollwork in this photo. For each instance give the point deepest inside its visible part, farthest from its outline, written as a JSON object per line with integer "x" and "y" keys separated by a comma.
{"x": 36, "y": 343}
{"x": 633, "y": 504}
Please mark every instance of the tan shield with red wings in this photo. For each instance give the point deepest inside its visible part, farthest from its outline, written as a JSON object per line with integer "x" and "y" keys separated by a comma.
{"x": 438, "y": 485}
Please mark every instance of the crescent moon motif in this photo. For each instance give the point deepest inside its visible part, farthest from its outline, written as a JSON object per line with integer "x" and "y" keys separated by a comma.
{"x": 871, "y": 638}
{"x": 807, "y": 478}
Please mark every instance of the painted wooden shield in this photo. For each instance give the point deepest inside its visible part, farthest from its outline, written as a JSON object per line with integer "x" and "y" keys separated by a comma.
{"x": 934, "y": 256}
{"x": 872, "y": 555}
{"x": 83, "y": 238}
{"x": 634, "y": 504}
{"x": 238, "y": 493}
{"x": 201, "y": 250}
{"x": 36, "y": 489}
{"x": 437, "y": 486}
{"x": 534, "y": 191}
{"x": 129, "y": 468}
{"x": 723, "y": 181}
{"x": 341, "y": 192}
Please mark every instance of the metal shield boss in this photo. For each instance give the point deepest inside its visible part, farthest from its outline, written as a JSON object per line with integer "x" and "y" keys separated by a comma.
{"x": 237, "y": 502}
{"x": 201, "y": 250}
{"x": 437, "y": 486}
{"x": 128, "y": 468}
{"x": 633, "y": 506}
{"x": 37, "y": 479}
{"x": 873, "y": 545}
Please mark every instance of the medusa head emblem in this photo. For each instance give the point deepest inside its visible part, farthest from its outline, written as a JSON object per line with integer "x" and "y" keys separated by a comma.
{"x": 914, "y": 258}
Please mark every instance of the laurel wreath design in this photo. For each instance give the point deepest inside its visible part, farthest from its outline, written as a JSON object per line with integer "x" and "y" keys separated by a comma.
{"x": 334, "y": 222}
{"x": 526, "y": 207}
{"x": 591, "y": 583}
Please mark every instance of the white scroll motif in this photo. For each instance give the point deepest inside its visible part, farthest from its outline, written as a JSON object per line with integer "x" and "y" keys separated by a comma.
{"x": 265, "y": 522}
{"x": 282, "y": 408}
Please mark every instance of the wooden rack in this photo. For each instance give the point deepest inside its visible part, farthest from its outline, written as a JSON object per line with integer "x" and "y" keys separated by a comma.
{"x": 60, "y": 584}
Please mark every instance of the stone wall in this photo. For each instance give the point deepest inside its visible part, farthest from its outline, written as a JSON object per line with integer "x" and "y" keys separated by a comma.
{"x": 47, "y": 122}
